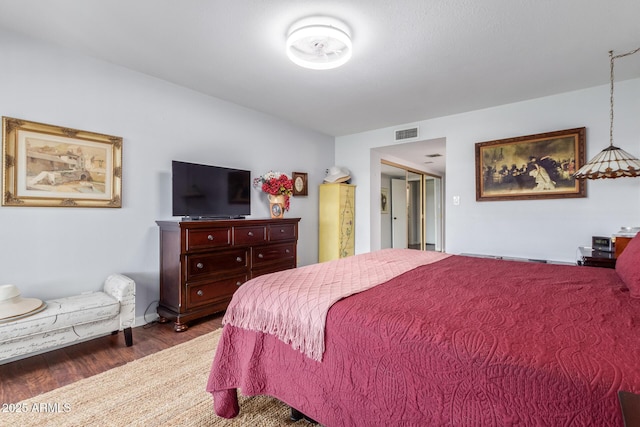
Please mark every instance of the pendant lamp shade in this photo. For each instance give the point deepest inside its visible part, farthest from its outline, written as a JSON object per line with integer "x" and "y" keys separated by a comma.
{"x": 612, "y": 162}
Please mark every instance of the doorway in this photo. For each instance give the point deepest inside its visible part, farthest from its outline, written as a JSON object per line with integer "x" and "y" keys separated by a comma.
{"x": 413, "y": 217}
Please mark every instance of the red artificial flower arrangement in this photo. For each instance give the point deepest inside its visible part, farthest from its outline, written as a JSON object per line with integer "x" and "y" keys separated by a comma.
{"x": 276, "y": 184}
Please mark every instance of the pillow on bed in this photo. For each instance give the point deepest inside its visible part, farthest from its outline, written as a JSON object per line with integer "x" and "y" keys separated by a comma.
{"x": 628, "y": 266}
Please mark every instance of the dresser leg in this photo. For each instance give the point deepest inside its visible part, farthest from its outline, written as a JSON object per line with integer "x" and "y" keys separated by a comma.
{"x": 162, "y": 319}
{"x": 180, "y": 327}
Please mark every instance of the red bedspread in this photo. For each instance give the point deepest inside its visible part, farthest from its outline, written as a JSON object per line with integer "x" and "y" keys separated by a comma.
{"x": 463, "y": 341}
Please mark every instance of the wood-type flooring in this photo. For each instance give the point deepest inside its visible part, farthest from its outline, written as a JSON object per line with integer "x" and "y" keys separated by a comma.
{"x": 26, "y": 378}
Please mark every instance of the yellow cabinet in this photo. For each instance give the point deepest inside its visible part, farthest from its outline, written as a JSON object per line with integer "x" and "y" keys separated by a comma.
{"x": 336, "y": 237}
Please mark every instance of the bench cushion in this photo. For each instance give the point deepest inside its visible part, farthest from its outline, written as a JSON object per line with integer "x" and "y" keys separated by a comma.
{"x": 62, "y": 313}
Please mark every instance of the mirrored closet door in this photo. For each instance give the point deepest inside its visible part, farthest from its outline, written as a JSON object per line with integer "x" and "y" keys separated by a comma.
{"x": 411, "y": 214}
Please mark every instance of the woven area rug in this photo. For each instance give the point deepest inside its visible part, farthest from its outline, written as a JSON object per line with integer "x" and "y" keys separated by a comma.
{"x": 163, "y": 389}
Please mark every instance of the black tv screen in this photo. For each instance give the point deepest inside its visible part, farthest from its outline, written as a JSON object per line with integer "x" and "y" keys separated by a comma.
{"x": 203, "y": 191}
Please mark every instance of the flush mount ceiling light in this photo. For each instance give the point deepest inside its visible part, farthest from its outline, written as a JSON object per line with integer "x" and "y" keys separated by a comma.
{"x": 319, "y": 43}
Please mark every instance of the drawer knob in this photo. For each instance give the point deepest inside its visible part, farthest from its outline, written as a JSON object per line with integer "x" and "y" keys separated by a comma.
{"x": 238, "y": 283}
{"x": 200, "y": 265}
{"x": 200, "y": 293}
{"x": 282, "y": 230}
{"x": 239, "y": 259}
{"x": 260, "y": 256}
{"x": 250, "y": 233}
{"x": 287, "y": 251}
{"x": 210, "y": 237}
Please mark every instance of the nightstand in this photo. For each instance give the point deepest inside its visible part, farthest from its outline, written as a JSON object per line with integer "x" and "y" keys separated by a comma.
{"x": 590, "y": 258}
{"x": 630, "y": 405}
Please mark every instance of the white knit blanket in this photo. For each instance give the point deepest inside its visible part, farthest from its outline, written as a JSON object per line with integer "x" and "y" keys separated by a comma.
{"x": 293, "y": 304}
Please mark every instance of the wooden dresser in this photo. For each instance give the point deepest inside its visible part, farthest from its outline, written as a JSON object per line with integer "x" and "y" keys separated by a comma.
{"x": 202, "y": 263}
{"x": 336, "y": 215}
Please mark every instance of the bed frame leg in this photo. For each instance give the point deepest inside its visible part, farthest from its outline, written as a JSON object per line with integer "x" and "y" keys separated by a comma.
{"x": 297, "y": 416}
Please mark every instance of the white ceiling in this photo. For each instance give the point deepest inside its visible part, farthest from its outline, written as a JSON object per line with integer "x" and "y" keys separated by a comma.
{"x": 428, "y": 155}
{"x": 413, "y": 59}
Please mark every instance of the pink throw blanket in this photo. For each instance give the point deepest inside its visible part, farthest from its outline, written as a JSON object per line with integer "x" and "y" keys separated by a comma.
{"x": 293, "y": 305}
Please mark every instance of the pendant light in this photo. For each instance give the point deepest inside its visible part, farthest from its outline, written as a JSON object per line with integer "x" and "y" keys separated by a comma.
{"x": 612, "y": 162}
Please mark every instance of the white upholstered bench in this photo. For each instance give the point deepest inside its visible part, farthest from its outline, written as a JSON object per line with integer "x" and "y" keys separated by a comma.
{"x": 65, "y": 321}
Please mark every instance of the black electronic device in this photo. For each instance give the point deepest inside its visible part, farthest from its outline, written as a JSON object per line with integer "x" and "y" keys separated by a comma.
{"x": 602, "y": 243}
{"x": 209, "y": 192}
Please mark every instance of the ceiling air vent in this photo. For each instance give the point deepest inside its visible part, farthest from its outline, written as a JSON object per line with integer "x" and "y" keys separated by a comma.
{"x": 404, "y": 134}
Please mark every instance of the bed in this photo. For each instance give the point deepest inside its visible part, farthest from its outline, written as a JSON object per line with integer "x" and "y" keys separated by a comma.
{"x": 455, "y": 341}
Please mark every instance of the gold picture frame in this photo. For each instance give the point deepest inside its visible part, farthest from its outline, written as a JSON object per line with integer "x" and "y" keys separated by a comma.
{"x": 539, "y": 166}
{"x": 53, "y": 166}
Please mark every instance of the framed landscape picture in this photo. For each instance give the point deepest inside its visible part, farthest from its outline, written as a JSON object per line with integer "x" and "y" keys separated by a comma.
{"x": 46, "y": 165}
{"x": 537, "y": 166}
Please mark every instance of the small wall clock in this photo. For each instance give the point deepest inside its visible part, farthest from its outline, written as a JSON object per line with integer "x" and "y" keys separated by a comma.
{"x": 300, "y": 184}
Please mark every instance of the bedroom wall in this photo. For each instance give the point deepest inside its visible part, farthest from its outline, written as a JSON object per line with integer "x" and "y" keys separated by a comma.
{"x": 541, "y": 229}
{"x": 54, "y": 252}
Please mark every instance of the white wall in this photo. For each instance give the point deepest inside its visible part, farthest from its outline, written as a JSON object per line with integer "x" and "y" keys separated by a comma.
{"x": 544, "y": 229}
{"x": 54, "y": 252}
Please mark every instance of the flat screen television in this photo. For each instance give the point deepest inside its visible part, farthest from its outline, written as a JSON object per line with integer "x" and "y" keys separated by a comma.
{"x": 209, "y": 192}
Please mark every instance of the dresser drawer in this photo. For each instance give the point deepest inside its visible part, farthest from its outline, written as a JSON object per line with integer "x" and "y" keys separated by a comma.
{"x": 267, "y": 254}
{"x": 282, "y": 232}
{"x": 201, "y": 294}
{"x": 207, "y": 238}
{"x": 199, "y": 265}
{"x": 249, "y": 235}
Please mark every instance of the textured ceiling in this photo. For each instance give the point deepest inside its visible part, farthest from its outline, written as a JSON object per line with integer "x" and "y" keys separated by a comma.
{"x": 413, "y": 59}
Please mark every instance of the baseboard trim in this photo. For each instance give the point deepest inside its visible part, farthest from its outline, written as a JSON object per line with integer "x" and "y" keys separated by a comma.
{"x": 143, "y": 320}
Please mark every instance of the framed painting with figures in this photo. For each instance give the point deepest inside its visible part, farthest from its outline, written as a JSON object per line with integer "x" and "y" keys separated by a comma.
{"x": 537, "y": 166}
{"x": 54, "y": 166}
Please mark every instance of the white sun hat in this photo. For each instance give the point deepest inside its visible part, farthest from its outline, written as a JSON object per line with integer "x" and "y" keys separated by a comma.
{"x": 337, "y": 174}
{"x": 12, "y": 305}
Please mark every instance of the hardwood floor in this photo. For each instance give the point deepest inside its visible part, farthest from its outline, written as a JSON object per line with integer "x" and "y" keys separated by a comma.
{"x": 35, "y": 375}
